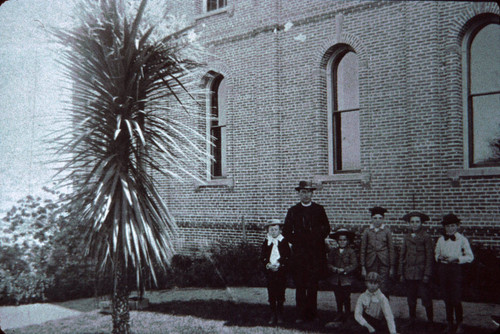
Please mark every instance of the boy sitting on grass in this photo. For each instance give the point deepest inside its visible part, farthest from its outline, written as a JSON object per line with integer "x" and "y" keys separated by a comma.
{"x": 372, "y": 306}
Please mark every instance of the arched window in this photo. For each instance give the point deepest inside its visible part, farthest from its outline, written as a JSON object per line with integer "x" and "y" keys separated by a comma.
{"x": 217, "y": 125}
{"x": 343, "y": 111}
{"x": 482, "y": 93}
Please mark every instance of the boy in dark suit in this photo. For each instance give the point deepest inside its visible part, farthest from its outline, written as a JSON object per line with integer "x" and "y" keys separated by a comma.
{"x": 342, "y": 262}
{"x": 415, "y": 265}
{"x": 377, "y": 250}
{"x": 275, "y": 255}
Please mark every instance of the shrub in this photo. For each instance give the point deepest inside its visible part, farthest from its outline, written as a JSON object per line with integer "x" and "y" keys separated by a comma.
{"x": 239, "y": 264}
{"x": 194, "y": 272}
{"x": 234, "y": 265}
{"x": 42, "y": 256}
{"x": 25, "y": 287}
{"x": 74, "y": 274}
{"x": 481, "y": 276}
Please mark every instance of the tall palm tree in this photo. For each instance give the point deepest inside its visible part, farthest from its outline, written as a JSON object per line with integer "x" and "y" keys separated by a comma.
{"x": 126, "y": 85}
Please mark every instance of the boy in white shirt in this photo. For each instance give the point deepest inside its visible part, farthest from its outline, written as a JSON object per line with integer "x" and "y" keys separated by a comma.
{"x": 452, "y": 250}
{"x": 372, "y": 306}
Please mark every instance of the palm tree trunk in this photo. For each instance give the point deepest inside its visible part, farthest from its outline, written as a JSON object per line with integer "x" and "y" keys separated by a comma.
{"x": 121, "y": 311}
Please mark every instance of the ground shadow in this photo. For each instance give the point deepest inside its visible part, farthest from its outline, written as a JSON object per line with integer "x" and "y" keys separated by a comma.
{"x": 252, "y": 315}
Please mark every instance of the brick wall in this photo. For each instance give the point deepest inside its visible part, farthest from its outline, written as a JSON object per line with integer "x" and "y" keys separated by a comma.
{"x": 411, "y": 116}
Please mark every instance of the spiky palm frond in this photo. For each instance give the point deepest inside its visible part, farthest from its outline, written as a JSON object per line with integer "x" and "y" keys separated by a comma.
{"x": 126, "y": 87}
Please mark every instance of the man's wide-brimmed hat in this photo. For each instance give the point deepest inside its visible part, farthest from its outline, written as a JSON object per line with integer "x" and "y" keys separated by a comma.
{"x": 378, "y": 210}
{"x": 272, "y": 222}
{"x": 423, "y": 216}
{"x": 305, "y": 185}
{"x": 450, "y": 219}
{"x": 342, "y": 231}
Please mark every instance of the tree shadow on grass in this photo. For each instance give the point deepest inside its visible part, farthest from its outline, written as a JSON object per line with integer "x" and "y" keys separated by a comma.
{"x": 253, "y": 315}
{"x": 236, "y": 314}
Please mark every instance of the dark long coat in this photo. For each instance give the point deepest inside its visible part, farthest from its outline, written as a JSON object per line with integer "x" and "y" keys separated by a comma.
{"x": 306, "y": 228}
{"x": 417, "y": 256}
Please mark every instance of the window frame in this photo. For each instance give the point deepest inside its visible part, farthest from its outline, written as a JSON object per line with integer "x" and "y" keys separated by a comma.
{"x": 468, "y": 96}
{"x": 220, "y": 5}
{"x": 334, "y": 132}
{"x": 220, "y": 122}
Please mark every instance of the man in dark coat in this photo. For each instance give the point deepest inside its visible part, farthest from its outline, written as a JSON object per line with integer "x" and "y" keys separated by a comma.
{"x": 306, "y": 228}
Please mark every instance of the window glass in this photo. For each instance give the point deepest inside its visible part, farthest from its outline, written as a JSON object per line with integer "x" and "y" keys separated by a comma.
{"x": 218, "y": 99}
{"x": 347, "y": 78}
{"x": 486, "y": 122}
{"x": 350, "y": 140}
{"x": 484, "y": 95}
{"x": 222, "y": 94}
{"x": 345, "y": 112}
{"x": 485, "y": 60}
{"x": 215, "y": 4}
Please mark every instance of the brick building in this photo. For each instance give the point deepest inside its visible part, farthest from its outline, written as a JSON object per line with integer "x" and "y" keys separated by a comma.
{"x": 390, "y": 103}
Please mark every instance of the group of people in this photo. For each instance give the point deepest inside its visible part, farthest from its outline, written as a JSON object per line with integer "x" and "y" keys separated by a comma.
{"x": 298, "y": 246}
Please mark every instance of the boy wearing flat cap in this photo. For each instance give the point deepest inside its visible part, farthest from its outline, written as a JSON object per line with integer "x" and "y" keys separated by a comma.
{"x": 342, "y": 262}
{"x": 415, "y": 265}
{"x": 306, "y": 228}
{"x": 452, "y": 250}
{"x": 377, "y": 249}
{"x": 372, "y": 307}
{"x": 275, "y": 254}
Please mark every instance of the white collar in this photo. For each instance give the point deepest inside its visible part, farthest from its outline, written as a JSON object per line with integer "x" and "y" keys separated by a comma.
{"x": 414, "y": 234}
{"x": 306, "y": 205}
{"x": 373, "y": 294}
{"x": 270, "y": 240}
{"x": 374, "y": 228}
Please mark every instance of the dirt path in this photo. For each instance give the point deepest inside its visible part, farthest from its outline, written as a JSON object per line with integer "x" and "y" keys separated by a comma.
{"x": 25, "y": 315}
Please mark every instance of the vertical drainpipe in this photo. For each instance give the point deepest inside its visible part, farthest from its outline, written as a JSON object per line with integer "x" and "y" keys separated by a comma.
{"x": 281, "y": 158}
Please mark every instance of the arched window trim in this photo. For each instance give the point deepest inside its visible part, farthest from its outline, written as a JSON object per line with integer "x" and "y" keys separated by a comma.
{"x": 333, "y": 62}
{"x": 468, "y": 127}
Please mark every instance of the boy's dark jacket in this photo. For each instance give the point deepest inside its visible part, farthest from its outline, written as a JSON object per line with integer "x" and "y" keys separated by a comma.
{"x": 417, "y": 256}
{"x": 347, "y": 260}
{"x": 284, "y": 250}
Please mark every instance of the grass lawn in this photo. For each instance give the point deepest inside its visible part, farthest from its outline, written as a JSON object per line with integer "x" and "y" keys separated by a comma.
{"x": 218, "y": 311}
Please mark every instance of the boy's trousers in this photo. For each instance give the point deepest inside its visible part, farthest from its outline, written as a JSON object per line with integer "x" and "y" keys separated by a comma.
{"x": 450, "y": 280}
{"x": 276, "y": 285}
{"x": 383, "y": 271}
{"x": 413, "y": 287}
{"x": 343, "y": 297}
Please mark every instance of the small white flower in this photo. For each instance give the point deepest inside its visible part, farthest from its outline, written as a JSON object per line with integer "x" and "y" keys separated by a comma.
{"x": 300, "y": 38}
{"x": 288, "y": 26}
{"x": 192, "y": 36}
